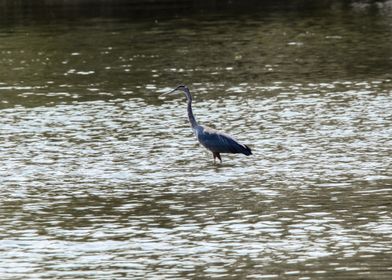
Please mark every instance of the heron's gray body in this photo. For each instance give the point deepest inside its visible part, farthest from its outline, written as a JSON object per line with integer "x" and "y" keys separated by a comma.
{"x": 216, "y": 141}
{"x": 219, "y": 142}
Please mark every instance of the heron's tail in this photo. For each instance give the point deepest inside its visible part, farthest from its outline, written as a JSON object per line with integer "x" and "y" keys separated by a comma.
{"x": 247, "y": 151}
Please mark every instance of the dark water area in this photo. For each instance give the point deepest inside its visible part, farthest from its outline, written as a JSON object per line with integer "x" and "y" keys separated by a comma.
{"x": 101, "y": 178}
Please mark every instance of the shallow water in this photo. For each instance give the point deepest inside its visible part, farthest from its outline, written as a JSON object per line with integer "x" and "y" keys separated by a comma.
{"x": 102, "y": 179}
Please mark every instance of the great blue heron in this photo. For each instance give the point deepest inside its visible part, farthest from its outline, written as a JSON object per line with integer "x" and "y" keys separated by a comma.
{"x": 215, "y": 141}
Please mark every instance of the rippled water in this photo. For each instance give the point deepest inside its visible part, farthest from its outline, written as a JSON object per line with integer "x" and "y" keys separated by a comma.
{"x": 102, "y": 179}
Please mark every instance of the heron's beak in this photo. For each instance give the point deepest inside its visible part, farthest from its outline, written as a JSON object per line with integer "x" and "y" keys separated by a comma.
{"x": 166, "y": 93}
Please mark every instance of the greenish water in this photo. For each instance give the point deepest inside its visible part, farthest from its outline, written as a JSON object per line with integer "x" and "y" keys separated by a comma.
{"x": 102, "y": 179}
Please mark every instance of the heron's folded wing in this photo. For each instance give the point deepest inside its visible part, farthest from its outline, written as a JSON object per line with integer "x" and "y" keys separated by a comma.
{"x": 220, "y": 142}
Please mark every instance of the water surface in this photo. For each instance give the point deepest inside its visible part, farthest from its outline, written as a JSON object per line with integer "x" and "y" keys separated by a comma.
{"x": 102, "y": 179}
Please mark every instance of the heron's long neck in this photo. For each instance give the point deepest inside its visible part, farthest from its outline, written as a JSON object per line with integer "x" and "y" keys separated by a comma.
{"x": 191, "y": 117}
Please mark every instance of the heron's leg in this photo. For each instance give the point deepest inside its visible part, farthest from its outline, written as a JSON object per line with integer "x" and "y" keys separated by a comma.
{"x": 217, "y": 155}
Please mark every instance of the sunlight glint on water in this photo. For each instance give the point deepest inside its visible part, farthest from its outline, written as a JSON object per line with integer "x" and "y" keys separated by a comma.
{"x": 103, "y": 179}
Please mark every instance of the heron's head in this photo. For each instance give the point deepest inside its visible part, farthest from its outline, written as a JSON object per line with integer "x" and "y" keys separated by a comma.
{"x": 183, "y": 88}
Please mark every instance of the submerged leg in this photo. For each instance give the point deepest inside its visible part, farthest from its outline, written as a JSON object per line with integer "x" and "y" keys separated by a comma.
{"x": 217, "y": 155}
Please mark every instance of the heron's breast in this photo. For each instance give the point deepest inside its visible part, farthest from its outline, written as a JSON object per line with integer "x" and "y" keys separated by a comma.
{"x": 197, "y": 131}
